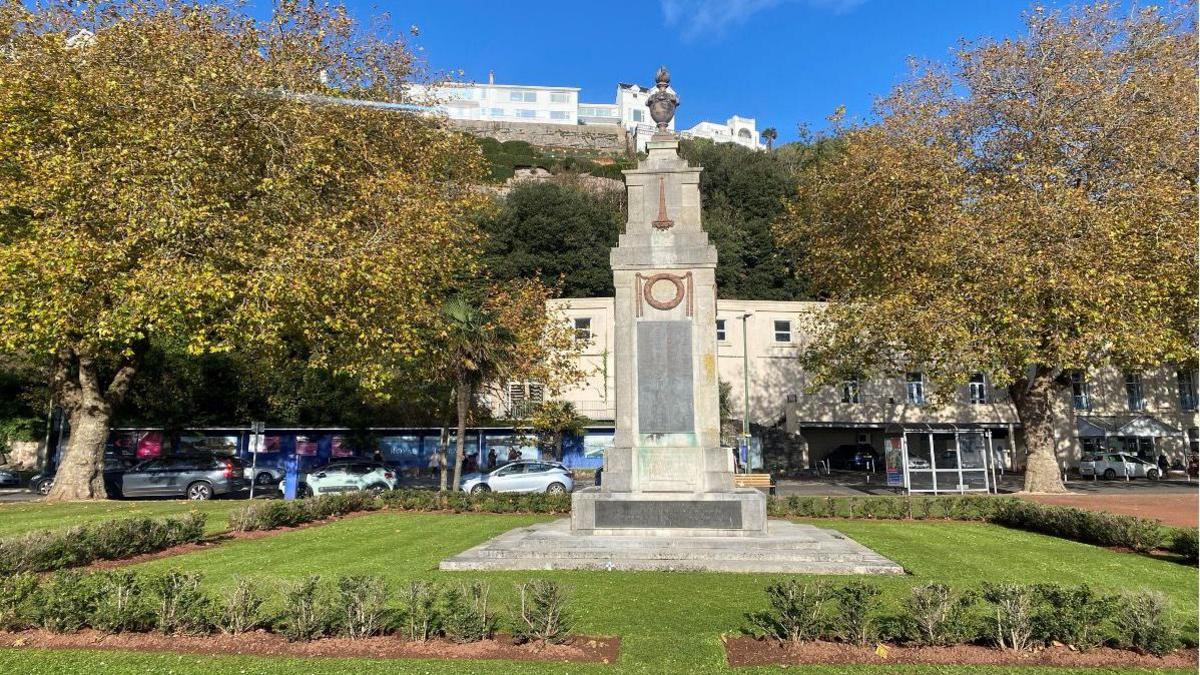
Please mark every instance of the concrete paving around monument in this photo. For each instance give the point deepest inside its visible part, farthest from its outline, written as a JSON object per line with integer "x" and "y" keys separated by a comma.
{"x": 786, "y": 548}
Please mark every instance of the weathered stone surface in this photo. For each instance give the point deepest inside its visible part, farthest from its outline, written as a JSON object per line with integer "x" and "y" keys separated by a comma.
{"x": 786, "y": 548}
{"x": 610, "y": 138}
{"x": 664, "y": 367}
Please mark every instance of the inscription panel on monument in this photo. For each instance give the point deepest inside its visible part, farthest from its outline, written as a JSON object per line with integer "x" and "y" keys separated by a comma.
{"x": 664, "y": 374}
{"x": 654, "y": 514}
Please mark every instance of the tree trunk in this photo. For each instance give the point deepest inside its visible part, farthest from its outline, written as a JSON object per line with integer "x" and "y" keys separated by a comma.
{"x": 460, "y": 442}
{"x": 443, "y": 442}
{"x": 76, "y": 381}
{"x": 1034, "y": 400}
{"x": 80, "y": 473}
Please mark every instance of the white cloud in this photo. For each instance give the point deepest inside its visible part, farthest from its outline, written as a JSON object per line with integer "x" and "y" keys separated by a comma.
{"x": 694, "y": 18}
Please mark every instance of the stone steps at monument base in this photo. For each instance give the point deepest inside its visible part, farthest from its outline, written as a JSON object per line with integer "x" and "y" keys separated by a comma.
{"x": 680, "y": 555}
{"x": 642, "y": 565}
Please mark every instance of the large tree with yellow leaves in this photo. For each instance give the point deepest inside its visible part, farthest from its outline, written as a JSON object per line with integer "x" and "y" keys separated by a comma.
{"x": 188, "y": 176}
{"x": 1024, "y": 211}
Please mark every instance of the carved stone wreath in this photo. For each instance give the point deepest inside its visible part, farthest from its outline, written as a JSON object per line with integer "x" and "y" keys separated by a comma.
{"x": 681, "y": 291}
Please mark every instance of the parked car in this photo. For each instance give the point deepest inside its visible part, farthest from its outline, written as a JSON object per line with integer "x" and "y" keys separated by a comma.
{"x": 346, "y": 476}
{"x": 919, "y": 463}
{"x": 195, "y": 476}
{"x": 852, "y": 457}
{"x": 521, "y": 476}
{"x": 9, "y": 478}
{"x": 1110, "y": 465}
{"x": 264, "y": 475}
{"x": 114, "y": 467}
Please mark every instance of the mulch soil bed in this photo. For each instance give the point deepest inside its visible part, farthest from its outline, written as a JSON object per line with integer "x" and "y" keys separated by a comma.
{"x": 261, "y": 643}
{"x": 749, "y": 651}
{"x": 1177, "y": 510}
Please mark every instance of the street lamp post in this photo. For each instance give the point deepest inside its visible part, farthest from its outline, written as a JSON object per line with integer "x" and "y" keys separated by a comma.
{"x": 746, "y": 389}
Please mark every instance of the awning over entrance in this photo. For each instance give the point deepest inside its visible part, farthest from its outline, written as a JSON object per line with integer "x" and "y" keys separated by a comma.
{"x": 1128, "y": 426}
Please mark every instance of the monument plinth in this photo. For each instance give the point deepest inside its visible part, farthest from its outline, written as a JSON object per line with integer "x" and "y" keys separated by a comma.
{"x": 666, "y": 469}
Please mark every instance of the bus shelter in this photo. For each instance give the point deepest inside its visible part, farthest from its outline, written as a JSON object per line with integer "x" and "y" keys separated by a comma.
{"x": 939, "y": 458}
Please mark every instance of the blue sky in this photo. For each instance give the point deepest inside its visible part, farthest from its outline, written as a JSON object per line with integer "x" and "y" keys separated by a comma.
{"x": 784, "y": 62}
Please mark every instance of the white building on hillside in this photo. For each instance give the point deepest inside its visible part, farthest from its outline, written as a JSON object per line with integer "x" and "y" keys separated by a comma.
{"x": 740, "y": 130}
{"x": 493, "y": 102}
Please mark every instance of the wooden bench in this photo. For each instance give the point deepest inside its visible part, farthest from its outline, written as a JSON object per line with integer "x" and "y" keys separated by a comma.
{"x": 754, "y": 480}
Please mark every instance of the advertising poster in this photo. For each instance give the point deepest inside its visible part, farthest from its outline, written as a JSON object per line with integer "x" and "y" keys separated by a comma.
{"x": 306, "y": 446}
{"x": 893, "y": 456}
{"x": 401, "y": 451}
{"x": 149, "y": 444}
{"x": 271, "y": 443}
{"x": 339, "y": 448}
{"x": 221, "y": 445}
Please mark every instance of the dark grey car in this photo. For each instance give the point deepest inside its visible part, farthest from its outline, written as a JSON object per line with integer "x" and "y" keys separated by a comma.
{"x": 197, "y": 476}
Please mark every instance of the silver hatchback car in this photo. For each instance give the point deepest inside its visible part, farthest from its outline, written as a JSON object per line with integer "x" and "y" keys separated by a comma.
{"x": 521, "y": 476}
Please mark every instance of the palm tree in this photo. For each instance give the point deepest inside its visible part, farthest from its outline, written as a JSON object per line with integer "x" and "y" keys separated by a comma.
{"x": 476, "y": 350}
{"x": 769, "y": 135}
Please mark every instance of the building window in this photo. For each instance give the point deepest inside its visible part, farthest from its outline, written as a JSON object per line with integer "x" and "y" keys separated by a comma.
{"x": 637, "y": 115}
{"x": 1187, "y": 390}
{"x": 1133, "y": 391}
{"x": 496, "y": 112}
{"x": 523, "y": 96}
{"x": 977, "y": 389}
{"x": 583, "y": 329}
{"x": 850, "y": 390}
{"x": 1079, "y": 391}
{"x": 721, "y": 336}
{"x": 526, "y": 113}
{"x": 524, "y": 396}
{"x": 783, "y": 331}
{"x": 559, "y": 97}
{"x": 915, "y": 388}
{"x": 559, "y": 115}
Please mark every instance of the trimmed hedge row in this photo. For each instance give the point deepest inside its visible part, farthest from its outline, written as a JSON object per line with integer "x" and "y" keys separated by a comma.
{"x": 47, "y": 550}
{"x": 275, "y": 513}
{"x": 884, "y": 508}
{"x": 353, "y": 606}
{"x": 488, "y": 502}
{"x": 1018, "y": 617}
{"x": 1090, "y": 527}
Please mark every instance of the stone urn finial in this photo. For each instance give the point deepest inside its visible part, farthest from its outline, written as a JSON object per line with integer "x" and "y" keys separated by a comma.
{"x": 662, "y": 103}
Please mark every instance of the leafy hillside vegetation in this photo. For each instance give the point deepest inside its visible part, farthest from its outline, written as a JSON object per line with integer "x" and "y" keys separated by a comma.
{"x": 504, "y": 158}
{"x": 561, "y": 230}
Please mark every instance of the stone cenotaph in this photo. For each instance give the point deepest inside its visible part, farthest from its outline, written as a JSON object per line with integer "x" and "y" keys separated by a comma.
{"x": 666, "y": 471}
{"x": 667, "y": 499}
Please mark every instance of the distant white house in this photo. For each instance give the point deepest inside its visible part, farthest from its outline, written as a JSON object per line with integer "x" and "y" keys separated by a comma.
{"x": 561, "y": 105}
{"x": 740, "y": 130}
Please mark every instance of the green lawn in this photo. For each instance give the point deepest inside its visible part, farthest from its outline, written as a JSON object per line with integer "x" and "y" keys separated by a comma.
{"x": 669, "y": 622}
{"x": 26, "y": 516}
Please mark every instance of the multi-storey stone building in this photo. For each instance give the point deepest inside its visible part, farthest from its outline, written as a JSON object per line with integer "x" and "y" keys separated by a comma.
{"x": 1144, "y": 413}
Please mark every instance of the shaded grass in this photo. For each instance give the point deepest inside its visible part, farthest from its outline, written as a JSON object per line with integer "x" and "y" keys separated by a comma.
{"x": 668, "y": 622}
{"x": 28, "y": 516}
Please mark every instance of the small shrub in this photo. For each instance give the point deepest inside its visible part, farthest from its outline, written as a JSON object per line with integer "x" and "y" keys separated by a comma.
{"x": 1140, "y": 534}
{"x": 420, "y": 610}
{"x": 1143, "y": 623}
{"x": 18, "y": 593}
{"x": 46, "y": 551}
{"x": 43, "y": 551}
{"x": 181, "y": 606}
{"x": 852, "y": 621}
{"x": 304, "y": 616}
{"x": 66, "y": 602}
{"x": 935, "y": 615}
{"x": 363, "y": 601}
{"x": 465, "y": 613}
{"x": 1012, "y": 608}
{"x": 798, "y": 612}
{"x": 1184, "y": 543}
{"x": 240, "y": 608}
{"x": 542, "y": 615}
{"x": 1074, "y": 616}
{"x": 121, "y": 606}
